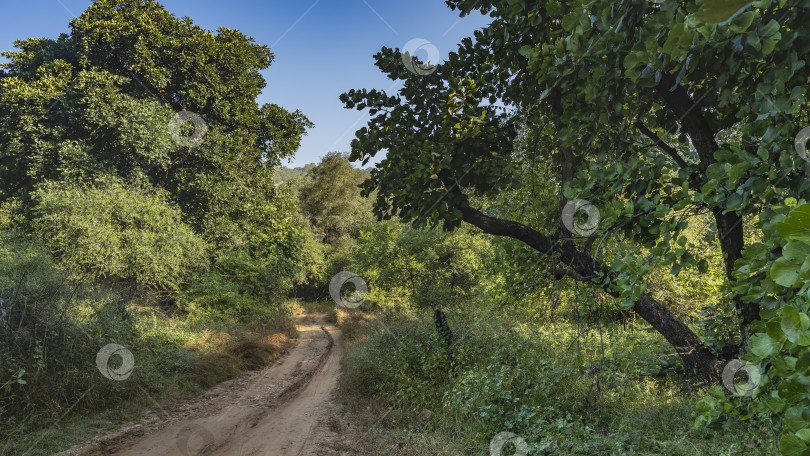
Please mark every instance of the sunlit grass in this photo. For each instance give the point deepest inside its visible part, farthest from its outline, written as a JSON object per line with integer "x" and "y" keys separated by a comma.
{"x": 177, "y": 355}
{"x": 564, "y": 388}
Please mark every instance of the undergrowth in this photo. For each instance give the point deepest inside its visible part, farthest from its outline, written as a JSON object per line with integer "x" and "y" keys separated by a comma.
{"x": 53, "y": 389}
{"x": 563, "y": 389}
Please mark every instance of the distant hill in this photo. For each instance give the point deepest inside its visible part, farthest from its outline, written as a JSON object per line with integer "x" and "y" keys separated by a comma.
{"x": 284, "y": 174}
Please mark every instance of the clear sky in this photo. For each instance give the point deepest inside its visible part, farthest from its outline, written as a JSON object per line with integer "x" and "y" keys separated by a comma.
{"x": 322, "y": 47}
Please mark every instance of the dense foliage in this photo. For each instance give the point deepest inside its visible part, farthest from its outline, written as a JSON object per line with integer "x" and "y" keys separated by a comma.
{"x": 774, "y": 374}
{"x": 108, "y": 98}
{"x": 423, "y": 268}
{"x": 331, "y": 200}
{"x": 562, "y": 391}
{"x": 655, "y": 116}
{"x": 137, "y": 207}
{"x": 120, "y": 234}
{"x": 572, "y": 166}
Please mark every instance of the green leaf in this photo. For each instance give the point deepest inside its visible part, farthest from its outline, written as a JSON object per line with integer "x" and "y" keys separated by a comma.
{"x": 796, "y": 226}
{"x": 773, "y": 403}
{"x": 791, "y": 445}
{"x": 795, "y": 324}
{"x": 796, "y": 418}
{"x": 795, "y": 388}
{"x": 797, "y": 251}
{"x": 741, "y": 23}
{"x": 530, "y": 52}
{"x": 774, "y": 329}
{"x": 803, "y": 362}
{"x": 734, "y": 201}
{"x": 763, "y": 345}
{"x": 716, "y": 11}
{"x": 735, "y": 172}
{"x": 783, "y": 272}
{"x": 771, "y": 28}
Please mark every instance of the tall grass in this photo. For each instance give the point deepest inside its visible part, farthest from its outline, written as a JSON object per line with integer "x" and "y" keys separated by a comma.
{"x": 563, "y": 389}
{"x": 53, "y": 392}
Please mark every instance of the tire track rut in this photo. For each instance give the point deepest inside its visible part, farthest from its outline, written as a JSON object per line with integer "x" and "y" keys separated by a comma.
{"x": 276, "y": 411}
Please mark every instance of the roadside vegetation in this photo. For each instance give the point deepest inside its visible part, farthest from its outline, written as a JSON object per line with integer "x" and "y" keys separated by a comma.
{"x": 558, "y": 261}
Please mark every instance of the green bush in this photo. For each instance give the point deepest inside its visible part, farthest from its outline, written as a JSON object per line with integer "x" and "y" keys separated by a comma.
{"x": 312, "y": 278}
{"x": 416, "y": 370}
{"x": 772, "y": 384}
{"x": 242, "y": 287}
{"x": 423, "y": 267}
{"x": 260, "y": 277}
{"x": 47, "y": 350}
{"x": 216, "y": 293}
{"x": 112, "y": 232}
{"x": 52, "y": 327}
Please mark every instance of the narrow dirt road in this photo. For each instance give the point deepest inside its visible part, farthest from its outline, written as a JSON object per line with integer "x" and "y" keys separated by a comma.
{"x": 277, "y": 411}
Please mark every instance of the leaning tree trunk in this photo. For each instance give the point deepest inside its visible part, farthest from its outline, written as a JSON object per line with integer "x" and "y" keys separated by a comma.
{"x": 698, "y": 360}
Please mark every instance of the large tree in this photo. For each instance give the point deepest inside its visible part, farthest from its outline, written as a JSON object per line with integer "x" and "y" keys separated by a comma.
{"x": 649, "y": 111}
{"x": 115, "y": 97}
{"x": 331, "y": 198}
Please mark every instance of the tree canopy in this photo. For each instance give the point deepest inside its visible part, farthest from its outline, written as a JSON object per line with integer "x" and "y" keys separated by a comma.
{"x": 118, "y": 96}
{"x": 648, "y": 112}
{"x": 331, "y": 200}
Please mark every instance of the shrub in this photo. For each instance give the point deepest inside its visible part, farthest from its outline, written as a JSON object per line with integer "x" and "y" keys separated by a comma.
{"x": 772, "y": 382}
{"x": 45, "y": 353}
{"x": 423, "y": 266}
{"x": 561, "y": 389}
{"x": 112, "y": 232}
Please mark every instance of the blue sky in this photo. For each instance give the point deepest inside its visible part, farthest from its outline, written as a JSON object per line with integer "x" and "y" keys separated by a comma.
{"x": 323, "y": 48}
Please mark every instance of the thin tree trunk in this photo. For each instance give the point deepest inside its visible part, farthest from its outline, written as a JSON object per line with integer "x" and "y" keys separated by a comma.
{"x": 730, "y": 231}
{"x": 729, "y": 225}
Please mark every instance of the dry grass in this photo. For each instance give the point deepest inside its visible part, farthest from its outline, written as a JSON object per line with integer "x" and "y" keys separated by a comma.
{"x": 259, "y": 347}
{"x": 215, "y": 367}
{"x": 351, "y": 322}
{"x": 315, "y": 307}
{"x": 259, "y": 352}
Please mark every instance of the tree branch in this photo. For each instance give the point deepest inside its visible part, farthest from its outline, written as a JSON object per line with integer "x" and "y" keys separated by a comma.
{"x": 697, "y": 358}
{"x": 658, "y": 141}
{"x": 690, "y": 118}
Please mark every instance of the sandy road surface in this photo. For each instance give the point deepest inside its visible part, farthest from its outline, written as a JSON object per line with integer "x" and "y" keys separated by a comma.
{"x": 277, "y": 411}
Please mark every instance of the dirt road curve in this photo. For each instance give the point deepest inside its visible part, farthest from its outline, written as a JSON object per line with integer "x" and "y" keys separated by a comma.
{"x": 277, "y": 411}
